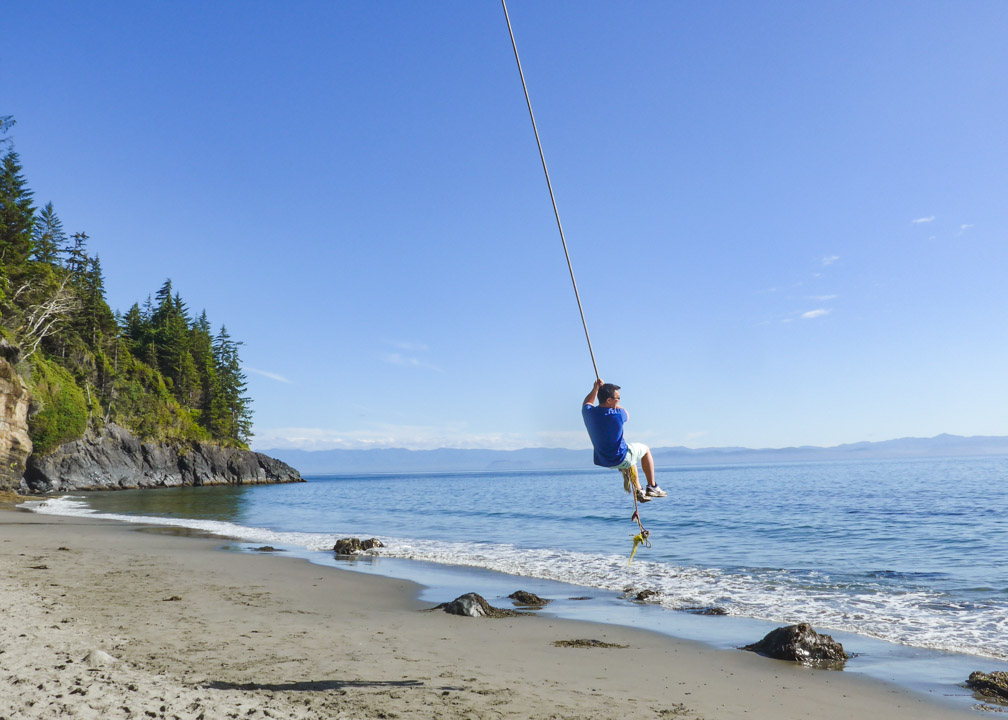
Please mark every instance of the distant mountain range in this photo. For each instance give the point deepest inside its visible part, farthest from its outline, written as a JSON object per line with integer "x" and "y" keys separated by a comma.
{"x": 393, "y": 460}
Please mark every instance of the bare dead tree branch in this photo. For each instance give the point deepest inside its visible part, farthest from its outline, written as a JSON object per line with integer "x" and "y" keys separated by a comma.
{"x": 41, "y": 319}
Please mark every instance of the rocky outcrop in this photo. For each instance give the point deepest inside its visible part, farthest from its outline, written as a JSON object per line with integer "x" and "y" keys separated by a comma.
{"x": 991, "y": 685}
{"x": 802, "y": 644}
{"x": 115, "y": 459}
{"x": 15, "y": 445}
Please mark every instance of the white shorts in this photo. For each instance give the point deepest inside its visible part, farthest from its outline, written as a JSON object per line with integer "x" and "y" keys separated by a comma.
{"x": 634, "y": 453}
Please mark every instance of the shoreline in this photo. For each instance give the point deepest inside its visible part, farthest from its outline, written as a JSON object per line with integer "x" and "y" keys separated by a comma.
{"x": 197, "y": 631}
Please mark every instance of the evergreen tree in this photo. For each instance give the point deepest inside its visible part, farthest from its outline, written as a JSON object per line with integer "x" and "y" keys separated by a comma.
{"x": 6, "y": 123}
{"x": 189, "y": 388}
{"x": 49, "y": 236}
{"x": 203, "y": 323}
{"x": 201, "y": 348}
{"x": 148, "y": 310}
{"x": 165, "y": 305}
{"x": 171, "y": 337}
{"x": 134, "y": 327}
{"x": 236, "y": 424}
{"x": 17, "y": 214}
{"x": 77, "y": 261}
{"x": 98, "y": 320}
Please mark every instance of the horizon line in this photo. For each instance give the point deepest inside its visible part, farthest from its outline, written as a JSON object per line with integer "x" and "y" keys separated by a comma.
{"x": 734, "y": 448}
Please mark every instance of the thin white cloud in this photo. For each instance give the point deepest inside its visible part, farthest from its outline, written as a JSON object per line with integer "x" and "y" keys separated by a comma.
{"x": 812, "y": 314}
{"x": 830, "y": 259}
{"x": 271, "y": 375}
{"x": 823, "y": 298}
{"x": 409, "y": 361}
{"x": 407, "y": 354}
{"x": 408, "y": 346}
{"x": 964, "y": 228}
{"x": 918, "y": 221}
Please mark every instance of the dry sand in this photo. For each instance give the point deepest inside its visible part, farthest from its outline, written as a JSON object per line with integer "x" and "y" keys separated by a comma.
{"x": 106, "y": 621}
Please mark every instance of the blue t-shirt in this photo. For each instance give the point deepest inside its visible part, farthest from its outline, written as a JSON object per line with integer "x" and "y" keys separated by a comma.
{"x": 605, "y": 428}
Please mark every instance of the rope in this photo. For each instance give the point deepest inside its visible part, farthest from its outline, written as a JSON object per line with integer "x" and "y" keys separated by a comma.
{"x": 640, "y": 538}
{"x": 550, "y": 186}
{"x": 630, "y": 484}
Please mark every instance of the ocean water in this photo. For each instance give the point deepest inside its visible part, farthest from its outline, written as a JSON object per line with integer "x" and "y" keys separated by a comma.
{"x": 913, "y": 552}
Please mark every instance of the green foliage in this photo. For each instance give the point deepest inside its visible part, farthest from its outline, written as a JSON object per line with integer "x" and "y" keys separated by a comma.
{"x": 63, "y": 410}
{"x": 143, "y": 403}
{"x": 154, "y": 370}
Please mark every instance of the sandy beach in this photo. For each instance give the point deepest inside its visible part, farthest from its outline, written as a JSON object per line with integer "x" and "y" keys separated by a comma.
{"x": 103, "y": 620}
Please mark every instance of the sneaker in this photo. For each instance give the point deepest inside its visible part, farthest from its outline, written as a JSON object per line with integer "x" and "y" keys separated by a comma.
{"x": 642, "y": 497}
{"x": 654, "y": 491}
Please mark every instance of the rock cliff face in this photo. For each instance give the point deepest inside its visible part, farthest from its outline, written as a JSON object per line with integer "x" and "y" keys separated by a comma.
{"x": 15, "y": 445}
{"x": 116, "y": 459}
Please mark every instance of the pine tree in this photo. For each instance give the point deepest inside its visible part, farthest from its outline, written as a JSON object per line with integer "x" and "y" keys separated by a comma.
{"x": 6, "y": 123}
{"x": 189, "y": 388}
{"x": 17, "y": 214}
{"x": 203, "y": 323}
{"x": 164, "y": 306}
{"x": 49, "y": 236}
{"x": 236, "y": 425}
{"x": 148, "y": 310}
{"x": 171, "y": 336}
{"x": 98, "y": 320}
{"x": 77, "y": 261}
{"x": 201, "y": 347}
{"x": 134, "y": 327}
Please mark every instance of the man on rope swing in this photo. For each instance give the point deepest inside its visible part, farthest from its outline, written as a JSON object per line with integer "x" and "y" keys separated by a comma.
{"x": 605, "y": 428}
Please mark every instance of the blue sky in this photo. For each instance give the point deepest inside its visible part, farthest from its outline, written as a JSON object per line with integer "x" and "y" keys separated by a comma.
{"x": 787, "y": 220}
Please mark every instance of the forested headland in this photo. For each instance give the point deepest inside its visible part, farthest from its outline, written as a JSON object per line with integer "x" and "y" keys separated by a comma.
{"x": 157, "y": 369}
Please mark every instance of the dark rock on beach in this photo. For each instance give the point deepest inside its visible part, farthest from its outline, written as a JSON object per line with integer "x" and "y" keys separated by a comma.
{"x": 474, "y": 605}
{"x": 802, "y": 644}
{"x": 527, "y": 599}
{"x": 991, "y": 685}
{"x": 354, "y": 546}
{"x": 646, "y": 596}
{"x": 115, "y": 459}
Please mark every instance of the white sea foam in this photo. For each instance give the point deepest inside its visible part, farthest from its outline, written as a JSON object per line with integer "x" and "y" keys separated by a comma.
{"x": 75, "y": 506}
{"x": 918, "y": 618}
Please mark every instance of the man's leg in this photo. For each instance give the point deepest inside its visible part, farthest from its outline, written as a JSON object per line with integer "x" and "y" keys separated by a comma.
{"x": 647, "y": 464}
